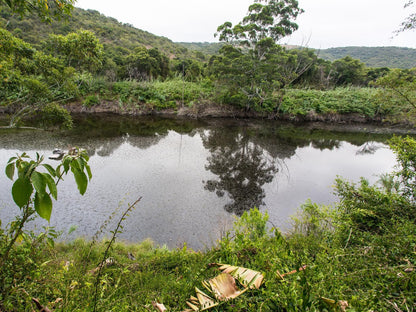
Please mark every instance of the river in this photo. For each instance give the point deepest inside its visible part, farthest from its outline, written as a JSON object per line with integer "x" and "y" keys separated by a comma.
{"x": 194, "y": 177}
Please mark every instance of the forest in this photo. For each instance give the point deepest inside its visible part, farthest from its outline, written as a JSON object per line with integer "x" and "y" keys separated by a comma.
{"x": 357, "y": 256}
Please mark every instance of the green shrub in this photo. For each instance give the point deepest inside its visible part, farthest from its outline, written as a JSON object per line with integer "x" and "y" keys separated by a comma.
{"x": 54, "y": 115}
{"x": 91, "y": 100}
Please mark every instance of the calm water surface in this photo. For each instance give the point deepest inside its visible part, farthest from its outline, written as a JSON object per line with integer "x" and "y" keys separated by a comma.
{"x": 194, "y": 177}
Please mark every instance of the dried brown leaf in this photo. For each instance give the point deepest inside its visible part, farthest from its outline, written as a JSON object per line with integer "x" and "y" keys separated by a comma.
{"x": 205, "y": 301}
{"x": 343, "y": 305}
{"x": 247, "y": 277}
{"x": 224, "y": 288}
{"x": 159, "y": 306}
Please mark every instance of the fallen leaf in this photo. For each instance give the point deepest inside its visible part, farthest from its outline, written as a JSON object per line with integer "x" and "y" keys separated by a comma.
{"x": 205, "y": 301}
{"x": 224, "y": 288}
{"x": 159, "y": 306}
{"x": 343, "y": 305}
{"x": 247, "y": 277}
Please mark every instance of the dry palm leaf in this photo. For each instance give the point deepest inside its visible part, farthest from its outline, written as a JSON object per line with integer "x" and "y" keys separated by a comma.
{"x": 247, "y": 277}
{"x": 224, "y": 288}
{"x": 159, "y": 306}
{"x": 205, "y": 301}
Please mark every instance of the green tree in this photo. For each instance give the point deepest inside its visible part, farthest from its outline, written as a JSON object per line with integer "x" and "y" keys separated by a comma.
{"x": 349, "y": 71}
{"x": 30, "y": 79}
{"x": 399, "y": 84}
{"x": 33, "y": 190}
{"x": 45, "y": 9}
{"x": 252, "y": 65}
{"x": 273, "y": 19}
{"x": 81, "y": 50}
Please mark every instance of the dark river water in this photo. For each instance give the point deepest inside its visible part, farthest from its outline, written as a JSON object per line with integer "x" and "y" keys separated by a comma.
{"x": 194, "y": 177}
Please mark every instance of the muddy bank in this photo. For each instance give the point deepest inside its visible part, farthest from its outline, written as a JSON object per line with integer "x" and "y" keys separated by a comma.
{"x": 209, "y": 110}
{"x": 204, "y": 110}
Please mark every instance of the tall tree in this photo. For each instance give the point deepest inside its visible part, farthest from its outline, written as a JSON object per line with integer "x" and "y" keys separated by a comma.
{"x": 271, "y": 20}
{"x": 251, "y": 63}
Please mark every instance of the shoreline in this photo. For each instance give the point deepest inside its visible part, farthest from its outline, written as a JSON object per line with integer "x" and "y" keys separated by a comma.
{"x": 352, "y": 122}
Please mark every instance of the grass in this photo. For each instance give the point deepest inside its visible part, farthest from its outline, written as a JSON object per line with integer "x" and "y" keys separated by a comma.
{"x": 364, "y": 270}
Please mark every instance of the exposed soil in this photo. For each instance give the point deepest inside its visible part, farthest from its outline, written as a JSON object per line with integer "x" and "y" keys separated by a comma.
{"x": 204, "y": 110}
{"x": 211, "y": 110}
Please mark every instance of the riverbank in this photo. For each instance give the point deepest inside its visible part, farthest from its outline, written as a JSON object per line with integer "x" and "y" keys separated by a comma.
{"x": 340, "y": 105}
{"x": 195, "y": 100}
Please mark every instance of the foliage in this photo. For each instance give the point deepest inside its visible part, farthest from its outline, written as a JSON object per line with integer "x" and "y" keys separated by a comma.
{"x": 273, "y": 20}
{"x": 44, "y": 9}
{"x": 31, "y": 79}
{"x": 91, "y": 100}
{"x": 399, "y": 84}
{"x": 80, "y": 50}
{"x": 392, "y": 57}
{"x": 260, "y": 72}
{"x": 349, "y": 71}
{"x": 362, "y": 101}
{"x": 33, "y": 191}
{"x": 54, "y": 115}
{"x": 410, "y": 22}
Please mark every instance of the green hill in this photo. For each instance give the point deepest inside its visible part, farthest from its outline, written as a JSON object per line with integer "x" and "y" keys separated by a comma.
{"x": 117, "y": 38}
{"x": 393, "y": 57}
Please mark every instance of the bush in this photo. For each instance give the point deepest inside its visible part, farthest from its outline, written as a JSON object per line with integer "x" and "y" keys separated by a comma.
{"x": 54, "y": 115}
{"x": 91, "y": 100}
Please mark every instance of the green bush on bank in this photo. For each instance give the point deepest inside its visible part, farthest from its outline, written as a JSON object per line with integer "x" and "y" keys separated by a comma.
{"x": 161, "y": 94}
{"x": 363, "y": 101}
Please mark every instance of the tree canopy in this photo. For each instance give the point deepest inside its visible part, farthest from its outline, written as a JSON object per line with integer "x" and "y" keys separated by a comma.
{"x": 45, "y": 9}
{"x": 273, "y": 19}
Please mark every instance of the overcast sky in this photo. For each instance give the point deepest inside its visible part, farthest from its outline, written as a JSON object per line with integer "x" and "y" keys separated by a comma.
{"x": 325, "y": 23}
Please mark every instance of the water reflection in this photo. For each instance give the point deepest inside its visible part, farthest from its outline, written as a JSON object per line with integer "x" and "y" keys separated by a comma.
{"x": 242, "y": 164}
{"x": 242, "y": 169}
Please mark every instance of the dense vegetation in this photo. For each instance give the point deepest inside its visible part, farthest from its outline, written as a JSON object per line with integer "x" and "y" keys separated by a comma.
{"x": 375, "y": 57}
{"x": 392, "y": 57}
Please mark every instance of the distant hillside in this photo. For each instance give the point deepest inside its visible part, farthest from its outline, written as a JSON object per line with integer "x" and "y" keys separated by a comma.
{"x": 209, "y": 48}
{"x": 393, "y": 57}
{"x": 117, "y": 37}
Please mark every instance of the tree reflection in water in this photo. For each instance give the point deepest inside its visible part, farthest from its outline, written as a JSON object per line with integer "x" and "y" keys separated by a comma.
{"x": 242, "y": 168}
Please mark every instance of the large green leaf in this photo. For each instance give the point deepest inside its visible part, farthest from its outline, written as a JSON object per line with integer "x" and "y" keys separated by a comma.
{"x": 43, "y": 205}
{"x": 21, "y": 191}
{"x": 10, "y": 171}
{"x": 50, "y": 169}
{"x": 51, "y": 185}
{"x": 81, "y": 180}
{"x": 87, "y": 167}
{"x": 38, "y": 182}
